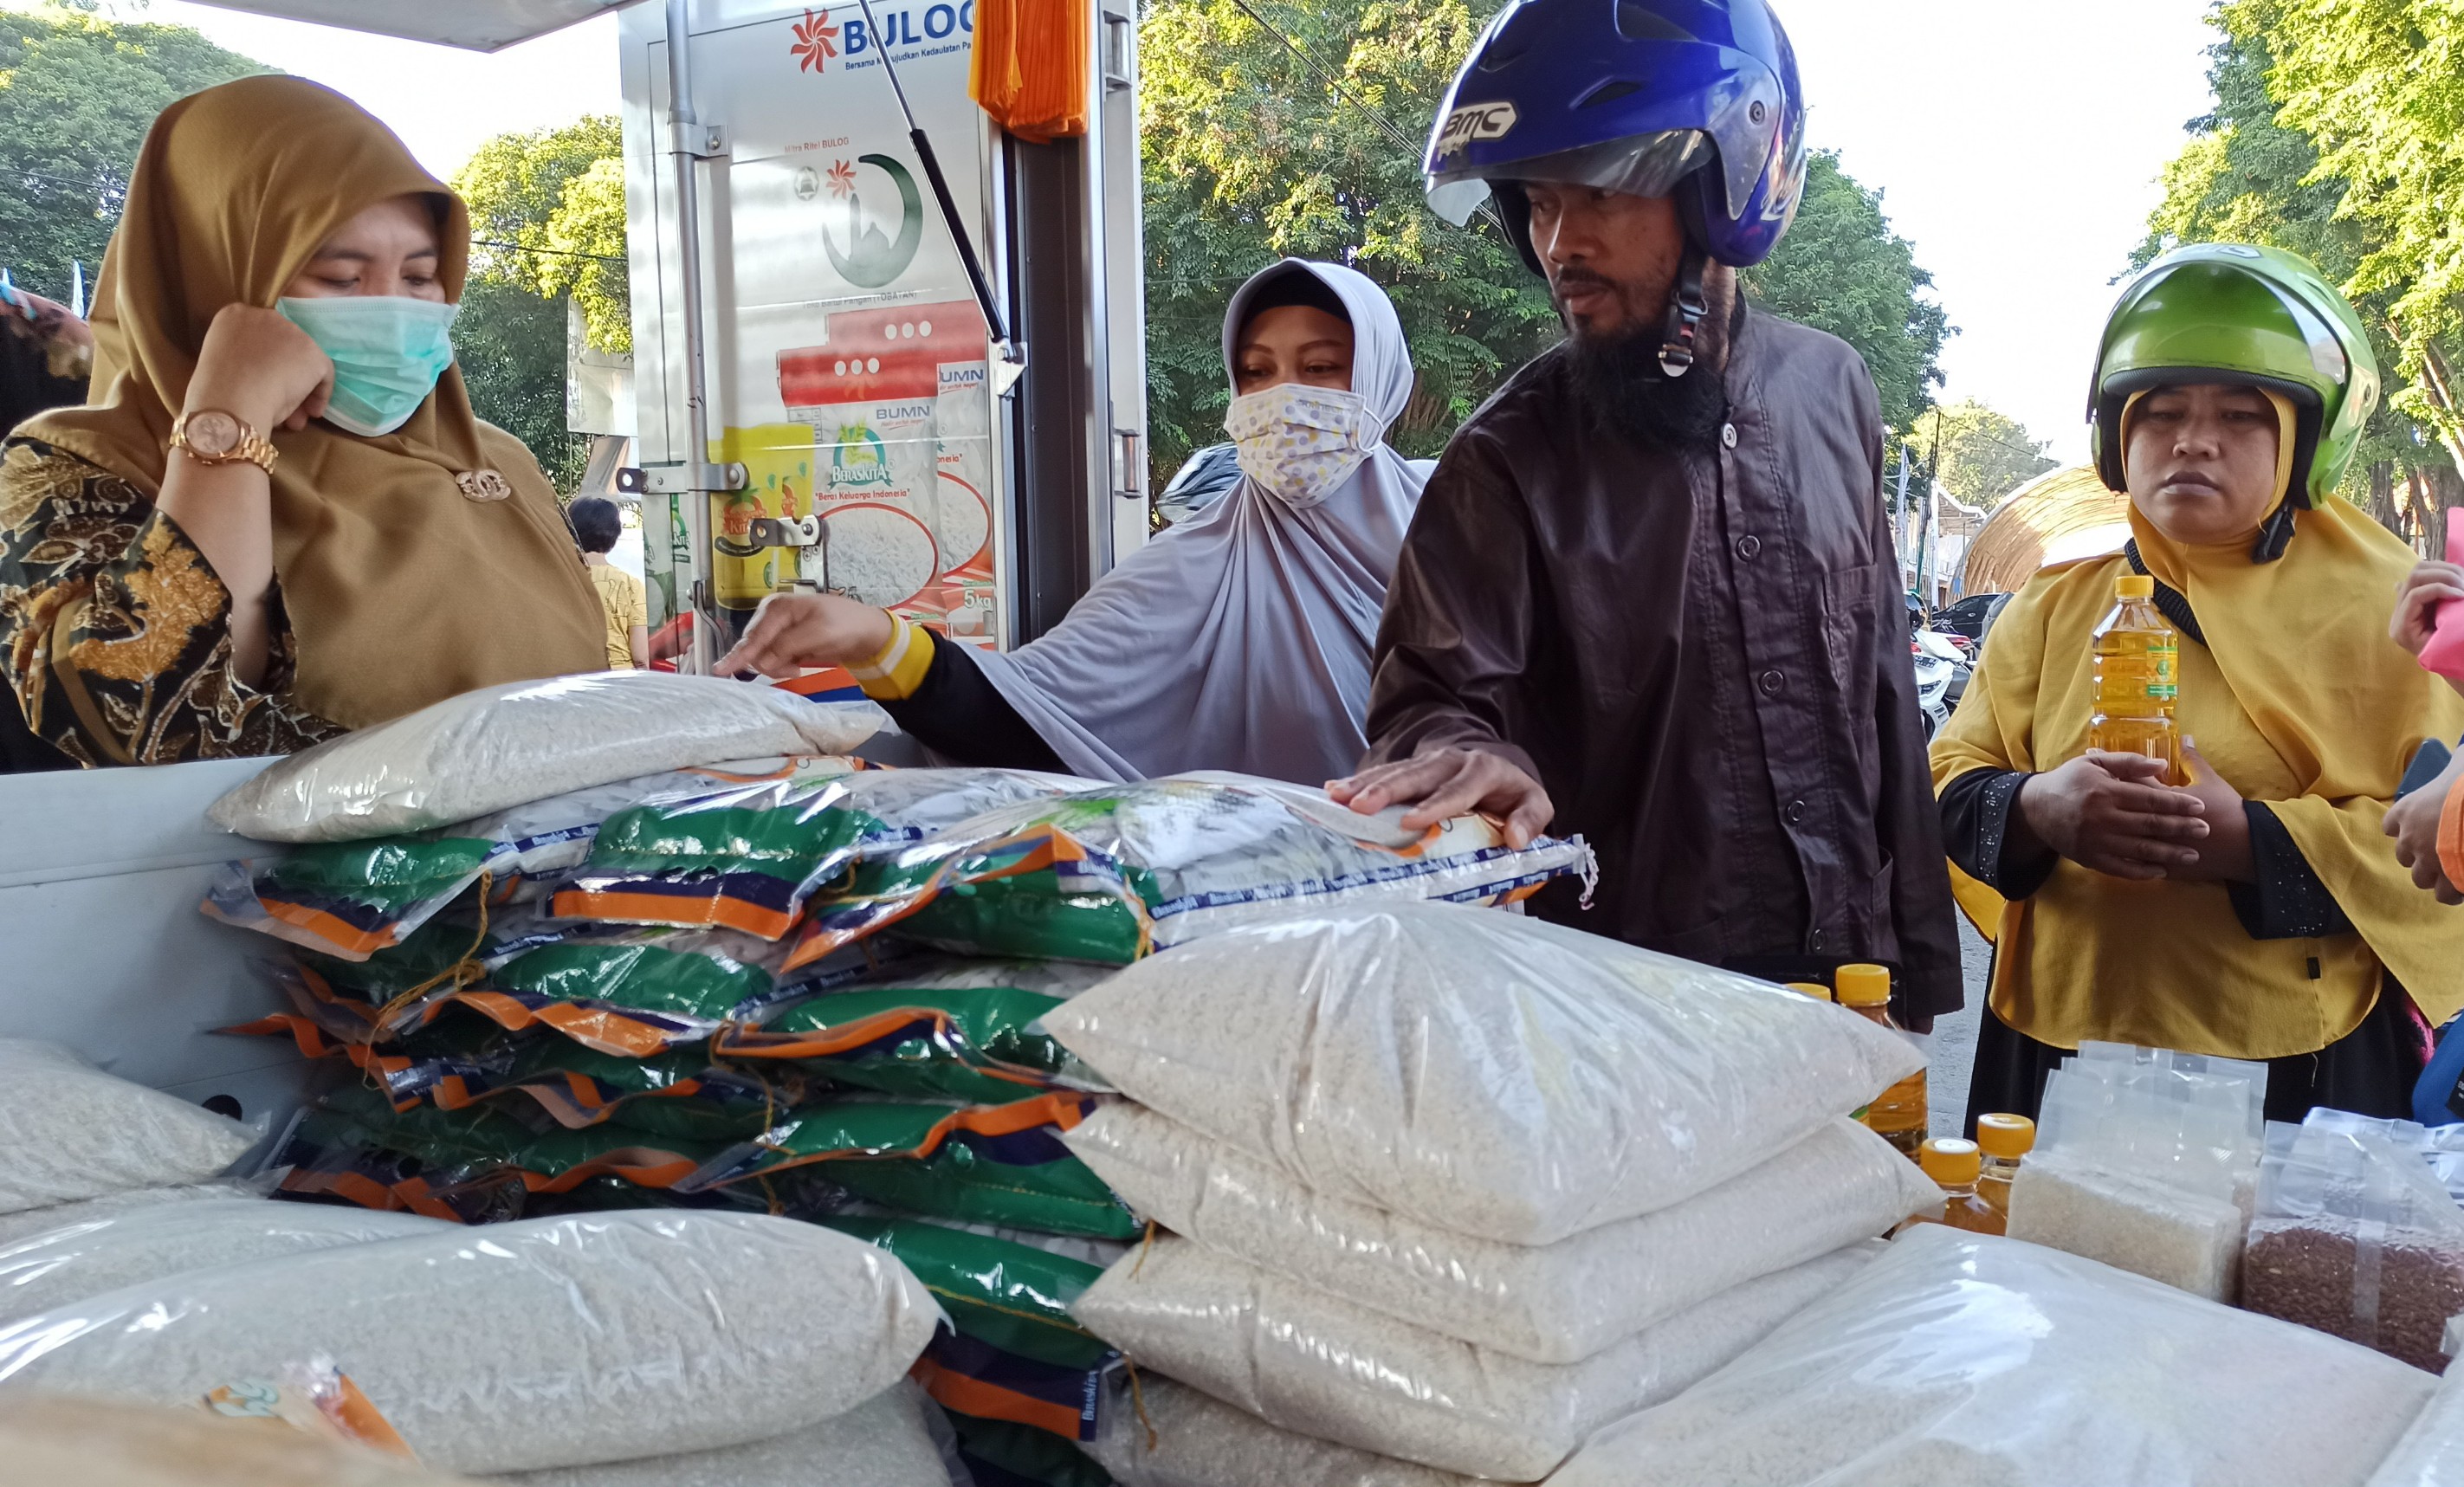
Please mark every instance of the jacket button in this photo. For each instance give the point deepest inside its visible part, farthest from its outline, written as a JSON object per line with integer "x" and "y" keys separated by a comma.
{"x": 1796, "y": 812}
{"x": 1749, "y": 545}
{"x": 1773, "y": 682}
{"x": 1729, "y": 436}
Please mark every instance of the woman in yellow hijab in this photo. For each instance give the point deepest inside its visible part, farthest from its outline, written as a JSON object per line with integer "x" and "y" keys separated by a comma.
{"x": 2249, "y": 905}
{"x": 278, "y": 518}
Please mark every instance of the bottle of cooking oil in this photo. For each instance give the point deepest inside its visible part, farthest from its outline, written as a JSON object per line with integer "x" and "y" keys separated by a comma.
{"x": 1814, "y": 989}
{"x": 1953, "y": 1164}
{"x": 1898, "y": 1114}
{"x": 2004, "y": 1140}
{"x": 2138, "y": 676}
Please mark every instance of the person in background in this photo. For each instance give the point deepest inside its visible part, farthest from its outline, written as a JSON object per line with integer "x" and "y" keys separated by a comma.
{"x": 46, "y": 356}
{"x": 596, "y": 525}
{"x": 1238, "y": 640}
{"x": 2428, "y": 824}
{"x": 1651, "y": 594}
{"x": 278, "y": 520}
{"x": 2253, "y": 912}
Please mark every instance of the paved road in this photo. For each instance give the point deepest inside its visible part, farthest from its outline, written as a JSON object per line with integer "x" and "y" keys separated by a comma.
{"x": 1954, "y": 1042}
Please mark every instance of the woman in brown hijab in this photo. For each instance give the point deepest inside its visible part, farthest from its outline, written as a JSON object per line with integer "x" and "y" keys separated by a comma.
{"x": 206, "y": 561}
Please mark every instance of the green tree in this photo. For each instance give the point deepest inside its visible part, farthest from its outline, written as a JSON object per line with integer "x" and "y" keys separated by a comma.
{"x": 547, "y": 223}
{"x": 510, "y": 346}
{"x": 1842, "y": 270}
{"x": 1249, "y": 155}
{"x": 547, "y": 213}
{"x": 77, "y": 92}
{"x": 2250, "y": 174}
{"x": 1984, "y": 455}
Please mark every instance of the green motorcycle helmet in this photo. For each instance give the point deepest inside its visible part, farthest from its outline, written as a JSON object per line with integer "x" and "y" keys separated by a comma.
{"x": 2252, "y": 316}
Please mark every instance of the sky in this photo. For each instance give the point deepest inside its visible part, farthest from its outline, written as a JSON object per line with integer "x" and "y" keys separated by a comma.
{"x": 2017, "y": 145}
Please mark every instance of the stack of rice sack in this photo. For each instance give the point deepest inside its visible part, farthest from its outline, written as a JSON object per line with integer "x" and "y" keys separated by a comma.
{"x": 127, "y": 1270}
{"x": 792, "y": 986}
{"x": 1445, "y": 1191}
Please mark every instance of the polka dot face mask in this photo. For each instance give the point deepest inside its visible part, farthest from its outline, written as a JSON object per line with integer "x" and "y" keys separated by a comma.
{"x": 1301, "y": 442}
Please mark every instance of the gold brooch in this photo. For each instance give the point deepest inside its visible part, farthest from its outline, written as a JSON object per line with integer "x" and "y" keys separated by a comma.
{"x": 484, "y": 485}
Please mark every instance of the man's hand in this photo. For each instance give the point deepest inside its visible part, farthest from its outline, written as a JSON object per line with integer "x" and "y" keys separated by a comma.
{"x": 792, "y": 632}
{"x": 2417, "y": 599}
{"x": 2414, "y": 822}
{"x": 1442, "y": 783}
{"x": 2224, "y": 857}
{"x": 2112, "y": 813}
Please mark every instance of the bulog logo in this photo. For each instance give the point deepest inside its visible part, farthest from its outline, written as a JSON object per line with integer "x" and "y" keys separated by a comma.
{"x": 1474, "y": 121}
{"x": 903, "y": 28}
{"x": 817, "y": 40}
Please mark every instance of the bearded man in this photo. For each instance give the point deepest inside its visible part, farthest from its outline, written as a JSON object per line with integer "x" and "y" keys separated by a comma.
{"x": 1650, "y": 593}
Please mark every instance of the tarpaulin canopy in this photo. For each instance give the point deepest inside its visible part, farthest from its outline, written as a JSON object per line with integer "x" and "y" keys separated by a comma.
{"x": 2059, "y": 518}
{"x": 479, "y": 25}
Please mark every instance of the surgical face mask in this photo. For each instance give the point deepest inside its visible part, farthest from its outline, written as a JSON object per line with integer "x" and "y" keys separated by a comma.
{"x": 1301, "y": 442}
{"x": 387, "y": 353}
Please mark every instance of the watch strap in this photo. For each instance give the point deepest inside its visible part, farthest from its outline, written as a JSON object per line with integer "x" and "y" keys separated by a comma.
{"x": 253, "y": 446}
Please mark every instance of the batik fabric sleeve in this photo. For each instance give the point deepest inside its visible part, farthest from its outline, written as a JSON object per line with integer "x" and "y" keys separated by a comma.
{"x": 115, "y": 632}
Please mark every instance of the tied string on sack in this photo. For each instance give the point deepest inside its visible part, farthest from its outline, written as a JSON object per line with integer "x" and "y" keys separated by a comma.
{"x": 466, "y": 970}
{"x": 1138, "y": 1396}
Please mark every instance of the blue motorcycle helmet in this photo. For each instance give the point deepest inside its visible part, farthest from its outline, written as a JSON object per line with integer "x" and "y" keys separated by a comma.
{"x": 1694, "y": 100}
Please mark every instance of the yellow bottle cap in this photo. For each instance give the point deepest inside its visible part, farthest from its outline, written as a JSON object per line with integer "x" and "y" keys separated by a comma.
{"x": 1950, "y": 1161}
{"x": 2134, "y": 585}
{"x": 1814, "y": 989}
{"x": 1862, "y": 986}
{"x": 2009, "y": 1137}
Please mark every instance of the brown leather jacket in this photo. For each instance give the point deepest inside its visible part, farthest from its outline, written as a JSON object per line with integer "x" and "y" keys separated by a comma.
{"x": 1704, "y": 659}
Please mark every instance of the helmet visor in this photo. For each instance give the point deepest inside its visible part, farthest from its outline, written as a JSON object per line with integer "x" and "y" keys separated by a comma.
{"x": 1643, "y": 164}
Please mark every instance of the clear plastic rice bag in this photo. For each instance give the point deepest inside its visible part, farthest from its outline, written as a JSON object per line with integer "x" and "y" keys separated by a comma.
{"x": 69, "y": 1131}
{"x": 2148, "y": 1160}
{"x": 2431, "y": 1454}
{"x": 1482, "y": 1072}
{"x": 1305, "y": 1360}
{"x": 887, "y": 1441}
{"x": 78, "y": 1259}
{"x": 500, "y": 746}
{"x": 1549, "y": 1304}
{"x": 543, "y": 1342}
{"x": 1959, "y": 1359}
{"x": 1176, "y": 1436}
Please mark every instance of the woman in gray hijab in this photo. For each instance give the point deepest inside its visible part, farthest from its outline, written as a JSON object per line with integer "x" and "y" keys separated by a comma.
{"x": 1238, "y": 641}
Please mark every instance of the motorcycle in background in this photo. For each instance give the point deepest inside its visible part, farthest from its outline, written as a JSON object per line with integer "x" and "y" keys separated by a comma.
{"x": 1943, "y": 667}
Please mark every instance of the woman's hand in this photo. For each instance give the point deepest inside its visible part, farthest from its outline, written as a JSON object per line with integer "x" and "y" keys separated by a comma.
{"x": 2417, "y": 599}
{"x": 2414, "y": 822}
{"x": 262, "y": 369}
{"x": 2113, "y": 812}
{"x": 2225, "y": 856}
{"x": 795, "y": 632}
{"x": 1442, "y": 783}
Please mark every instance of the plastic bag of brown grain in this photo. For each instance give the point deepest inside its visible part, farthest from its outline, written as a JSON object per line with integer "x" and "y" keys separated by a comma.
{"x": 2355, "y": 1235}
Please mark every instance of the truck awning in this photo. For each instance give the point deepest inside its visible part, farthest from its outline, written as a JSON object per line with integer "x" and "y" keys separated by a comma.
{"x": 479, "y": 25}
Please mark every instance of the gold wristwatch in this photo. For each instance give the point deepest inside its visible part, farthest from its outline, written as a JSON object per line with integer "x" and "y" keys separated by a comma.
{"x": 210, "y": 436}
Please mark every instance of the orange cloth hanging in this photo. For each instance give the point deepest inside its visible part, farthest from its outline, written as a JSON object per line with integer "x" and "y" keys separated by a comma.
{"x": 1031, "y": 66}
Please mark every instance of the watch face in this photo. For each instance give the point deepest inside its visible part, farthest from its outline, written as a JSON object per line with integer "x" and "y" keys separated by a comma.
{"x": 212, "y": 432}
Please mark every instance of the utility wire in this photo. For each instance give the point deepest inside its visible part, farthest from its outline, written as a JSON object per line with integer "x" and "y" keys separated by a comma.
{"x": 552, "y": 253}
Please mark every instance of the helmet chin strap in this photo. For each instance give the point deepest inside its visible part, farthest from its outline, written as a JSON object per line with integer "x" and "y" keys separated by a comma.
{"x": 1686, "y": 309}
